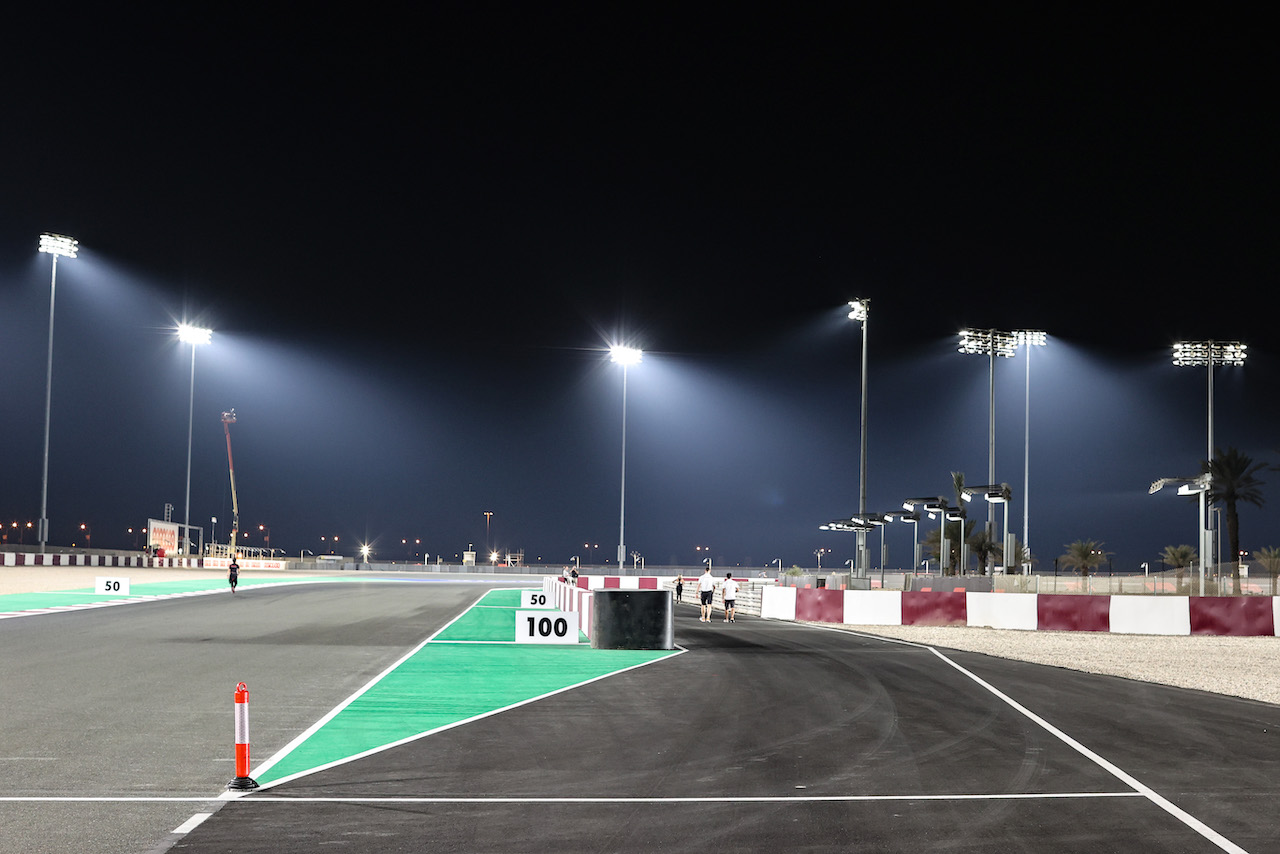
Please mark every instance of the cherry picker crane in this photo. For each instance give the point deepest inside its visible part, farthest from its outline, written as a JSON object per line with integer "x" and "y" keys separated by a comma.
{"x": 229, "y": 418}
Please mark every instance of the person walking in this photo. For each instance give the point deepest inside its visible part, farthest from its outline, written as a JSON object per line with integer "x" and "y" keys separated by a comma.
{"x": 679, "y": 588}
{"x": 730, "y": 591}
{"x": 233, "y": 574}
{"x": 706, "y": 592}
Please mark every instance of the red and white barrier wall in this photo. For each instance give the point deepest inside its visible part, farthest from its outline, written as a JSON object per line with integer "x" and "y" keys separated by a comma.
{"x": 28, "y": 559}
{"x": 1148, "y": 615}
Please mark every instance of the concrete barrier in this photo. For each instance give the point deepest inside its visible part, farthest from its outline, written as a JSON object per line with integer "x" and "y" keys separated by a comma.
{"x": 632, "y": 619}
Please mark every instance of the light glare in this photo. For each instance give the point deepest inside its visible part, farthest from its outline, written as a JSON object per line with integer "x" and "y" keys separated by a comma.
{"x": 189, "y": 334}
{"x": 625, "y": 355}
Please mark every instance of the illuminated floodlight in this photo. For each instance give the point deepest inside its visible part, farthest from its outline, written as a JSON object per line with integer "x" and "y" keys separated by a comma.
{"x": 59, "y": 244}
{"x": 1030, "y": 338}
{"x": 625, "y": 356}
{"x": 996, "y": 493}
{"x": 858, "y": 309}
{"x": 189, "y": 334}
{"x": 1199, "y": 354}
{"x": 988, "y": 342}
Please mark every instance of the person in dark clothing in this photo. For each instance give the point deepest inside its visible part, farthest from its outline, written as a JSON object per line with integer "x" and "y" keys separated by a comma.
{"x": 233, "y": 574}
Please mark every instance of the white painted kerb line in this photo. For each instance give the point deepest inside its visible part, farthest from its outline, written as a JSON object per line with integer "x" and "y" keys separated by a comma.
{"x": 192, "y": 823}
{"x": 1146, "y": 791}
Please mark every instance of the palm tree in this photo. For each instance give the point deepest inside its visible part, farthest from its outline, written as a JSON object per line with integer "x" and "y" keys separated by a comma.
{"x": 1178, "y": 557}
{"x": 1084, "y": 555}
{"x": 1270, "y": 560}
{"x": 983, "y": 547}
{"x": 1232, "y": 479}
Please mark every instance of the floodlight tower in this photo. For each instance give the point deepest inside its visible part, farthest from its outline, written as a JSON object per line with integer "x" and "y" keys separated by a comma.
{"x": 1027, "y": 338}
{"x": 625, "y": 356}
{"x": 990, "y": 343}
{"x": 1206, "y": 354}
{"x": 59, "y": 246}
{"x": 858, "y": 311}
{"x": 195, "y": 336}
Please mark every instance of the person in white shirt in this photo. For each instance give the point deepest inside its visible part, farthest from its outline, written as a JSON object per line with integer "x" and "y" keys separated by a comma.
{"x": 730, "y": 589}
{"x": 706, "y": 590}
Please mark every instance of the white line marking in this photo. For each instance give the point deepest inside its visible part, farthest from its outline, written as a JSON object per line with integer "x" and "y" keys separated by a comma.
{"x": 191, "y": 823}
{"x": 1150, "y": 794}
{"x": 727, "y": 799}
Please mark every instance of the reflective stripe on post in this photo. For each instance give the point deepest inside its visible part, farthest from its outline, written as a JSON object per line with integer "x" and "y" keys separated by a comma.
{"x": 242, "y": 780}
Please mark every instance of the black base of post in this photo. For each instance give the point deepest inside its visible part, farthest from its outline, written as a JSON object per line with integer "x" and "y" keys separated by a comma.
{"x": 243, "y": 784}
{"x": 632, "y": 619}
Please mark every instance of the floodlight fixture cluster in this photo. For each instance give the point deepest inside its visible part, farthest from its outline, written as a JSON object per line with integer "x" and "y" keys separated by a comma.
{"x": 996, "y": 493}
{"x": 189, "y": 334}
{"x": 625, "y": 356}
{"x": 858, "y": 309}
{"x": 850, "y": 525}
{"x": 59, "y": 245}
{"x": 988, "y": 342}
{"x": 1199, "y": 354}
{"x": 1186, "y": 485}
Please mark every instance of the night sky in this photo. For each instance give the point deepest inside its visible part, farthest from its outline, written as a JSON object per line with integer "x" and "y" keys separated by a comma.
{"x": 415, "y": 235}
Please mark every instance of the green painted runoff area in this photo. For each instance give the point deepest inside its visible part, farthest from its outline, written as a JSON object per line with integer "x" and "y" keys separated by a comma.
{"x": 470, "y": 668}
{"x": 15, "y": 602}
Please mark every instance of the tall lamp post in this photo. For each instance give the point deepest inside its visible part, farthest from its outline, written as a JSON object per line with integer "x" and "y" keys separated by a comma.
{"x": 59, "y": 246}
{"x": 195, "y": 336}
{"x": 1206, "y": 354}
{"x": 1027, "y": 338}
{"x": 990, "y": 343}
{"x": 625, "y": 356}
{"x": 858, "y": 311}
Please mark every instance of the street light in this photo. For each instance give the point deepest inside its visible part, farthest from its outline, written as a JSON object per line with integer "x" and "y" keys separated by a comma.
{"x": 858, "y": 311}
{"x": 1192, "y": 486}
{"x": 59, "y": 246}
{"x": 195, "y": 336}
{"x": 995, "y": 493}
{"x": 936, "y": 506}
{"x": 625, "y": 356}
{"x": 990, "y": 343}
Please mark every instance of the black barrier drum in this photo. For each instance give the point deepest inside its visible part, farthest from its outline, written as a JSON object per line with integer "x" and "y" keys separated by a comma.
{"x": 632, "y": 619}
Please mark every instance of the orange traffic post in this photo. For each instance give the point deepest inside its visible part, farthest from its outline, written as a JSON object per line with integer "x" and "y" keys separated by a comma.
{"x": 242, "y": 781}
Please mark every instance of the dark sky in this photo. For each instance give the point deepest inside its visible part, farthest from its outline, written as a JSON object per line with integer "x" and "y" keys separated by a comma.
{"x": 414, "y": 234}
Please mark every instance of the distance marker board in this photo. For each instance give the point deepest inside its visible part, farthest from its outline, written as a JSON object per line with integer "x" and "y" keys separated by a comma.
{"x": 546, "y": 626}
{"x": 535, "y": 599}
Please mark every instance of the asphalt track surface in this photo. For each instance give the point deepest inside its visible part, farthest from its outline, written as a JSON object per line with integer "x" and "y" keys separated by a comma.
{"x": 761, "y": 736}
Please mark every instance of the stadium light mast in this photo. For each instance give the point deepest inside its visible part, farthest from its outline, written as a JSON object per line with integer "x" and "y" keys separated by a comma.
{"x": 990, "y": 343}
{"x": 59, "y": 246}
{"x": 858, "y": 311}
{"x": 1027, "y": 338}
{"x": 195, "y": 336}
{"x": 1207, "y": 354}
{"x": 625, "y": 356}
